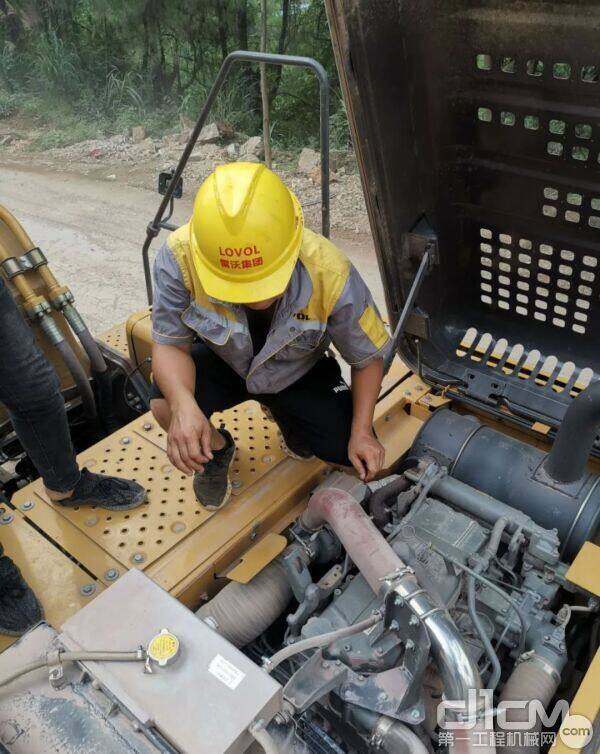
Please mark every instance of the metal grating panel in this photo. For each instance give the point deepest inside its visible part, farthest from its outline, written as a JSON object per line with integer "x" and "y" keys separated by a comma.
{"x": 116, "y": 338}
{"x": 258, "y": 442}
{"x": 190, "y": 562}
{"x": 171, "y": 512}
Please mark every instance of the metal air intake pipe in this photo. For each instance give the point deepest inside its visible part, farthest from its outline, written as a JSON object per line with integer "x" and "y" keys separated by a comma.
{"x": 380, "y": 565}
{"x": 575, "y": 438}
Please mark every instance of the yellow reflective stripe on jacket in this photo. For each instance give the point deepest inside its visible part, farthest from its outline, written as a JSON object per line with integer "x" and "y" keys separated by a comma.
{"x": 372, "y": 326}
{"x": 328, "y": 270}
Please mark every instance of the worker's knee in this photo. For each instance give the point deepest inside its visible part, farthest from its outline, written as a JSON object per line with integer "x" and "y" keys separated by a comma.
{"x": 161, "y": 412}
{"x": 333, "y": 449}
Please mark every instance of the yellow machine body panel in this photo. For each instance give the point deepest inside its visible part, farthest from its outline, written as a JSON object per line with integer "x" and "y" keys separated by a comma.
{"x": 585, "y": 569}
{"x": 139, "y": 340}
{"x": 187, "y": 550}
{"x": 116, "y": 339}
{"x": 61, "y": 585}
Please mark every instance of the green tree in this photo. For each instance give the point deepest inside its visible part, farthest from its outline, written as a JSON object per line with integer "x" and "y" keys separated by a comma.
{"x": 108, "y": 63}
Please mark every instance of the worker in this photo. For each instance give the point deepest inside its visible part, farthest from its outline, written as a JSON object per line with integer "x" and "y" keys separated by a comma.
{"x": 30, "y": 390}
{"x": 264, "y": 296}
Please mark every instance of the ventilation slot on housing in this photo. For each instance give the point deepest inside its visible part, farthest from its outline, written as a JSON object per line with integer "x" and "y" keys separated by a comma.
{"x": 543, "y": 371}
{"x": 540, "y": 281}
{"x": 571, "y": 207}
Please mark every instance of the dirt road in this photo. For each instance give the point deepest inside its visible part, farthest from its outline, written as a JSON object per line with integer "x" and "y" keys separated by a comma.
{"x": 92, "y": 232}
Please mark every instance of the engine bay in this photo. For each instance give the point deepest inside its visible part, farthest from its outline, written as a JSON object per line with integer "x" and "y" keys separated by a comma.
{"x": 429, "y": 611}
{"x": 413, "y": 594}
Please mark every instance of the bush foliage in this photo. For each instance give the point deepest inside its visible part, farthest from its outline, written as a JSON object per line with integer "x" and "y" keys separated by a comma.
{"x": 87, "y": 67}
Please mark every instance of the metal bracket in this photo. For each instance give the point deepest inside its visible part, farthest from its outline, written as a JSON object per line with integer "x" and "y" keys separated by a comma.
{"x": 297, "y": 573}
{"x": 56, "y": 673}
{"x": 482, "y": 388}
{"x": 400, "y": 615}
{"x": 429, "y": 251}
{"x": 164, "y": 179}
{"x": 314, "y": 595}
{"x": 420, "y": 240}
{"x": 13, "y": 266}
{"x": 387, "y": 693}
{"x": 30, "y": 260}
{"x": 313, "y": 680}
{"x": 34, "y": 258}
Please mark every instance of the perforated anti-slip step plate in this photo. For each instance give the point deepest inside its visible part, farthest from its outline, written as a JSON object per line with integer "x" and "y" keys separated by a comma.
{"x": 181, "y": 546}
{"x": 116, "y": 338}
{"x": 139, "y": 537}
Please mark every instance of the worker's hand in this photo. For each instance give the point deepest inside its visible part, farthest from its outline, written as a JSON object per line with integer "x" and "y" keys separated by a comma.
{"x": 189, "y": 437}
{"x": 366, "y": 454}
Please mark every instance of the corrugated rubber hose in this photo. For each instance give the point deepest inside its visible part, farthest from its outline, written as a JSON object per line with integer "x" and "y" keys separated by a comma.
{"x": 529, "y": 680}
{"x": 241, "y": 612}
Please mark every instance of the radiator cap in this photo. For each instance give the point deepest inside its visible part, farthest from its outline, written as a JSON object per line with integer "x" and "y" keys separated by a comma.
{"x": 163, "y": 648}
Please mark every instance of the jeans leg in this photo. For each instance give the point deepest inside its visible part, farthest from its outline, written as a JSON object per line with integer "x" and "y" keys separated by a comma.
{"x": 30, "y": 390}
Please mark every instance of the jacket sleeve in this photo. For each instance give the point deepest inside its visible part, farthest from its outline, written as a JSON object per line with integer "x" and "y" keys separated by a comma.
{"x": 355, "y": 325}
{"x": 171, "y": 299}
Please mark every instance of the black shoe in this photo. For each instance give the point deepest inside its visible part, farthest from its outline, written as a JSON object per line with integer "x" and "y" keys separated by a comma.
{"x": 110, "y": 492}
{"x": 19, "y": 607}
{"x": 213, "y": 486}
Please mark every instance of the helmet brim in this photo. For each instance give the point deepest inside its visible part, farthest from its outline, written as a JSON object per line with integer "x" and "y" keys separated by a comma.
{"x": 247, "y": 292}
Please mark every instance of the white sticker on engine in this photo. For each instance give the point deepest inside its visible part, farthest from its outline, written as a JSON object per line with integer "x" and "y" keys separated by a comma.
{"x": 226, "y": 672}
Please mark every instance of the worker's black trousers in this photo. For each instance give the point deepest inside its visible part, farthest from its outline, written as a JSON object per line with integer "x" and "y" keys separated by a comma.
{"x": 317, "y": 408}
{"x": 30, "y": 390}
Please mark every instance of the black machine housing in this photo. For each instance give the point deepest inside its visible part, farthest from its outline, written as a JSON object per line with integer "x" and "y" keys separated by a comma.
{"x": 477, "y": 125}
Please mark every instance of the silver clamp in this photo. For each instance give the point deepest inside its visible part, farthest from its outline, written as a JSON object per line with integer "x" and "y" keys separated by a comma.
{"x": 34, "y": 258}
{"x": 56, "y": 671}
{"x": 430, "y": 613}
{"x": 398, "y": 573}
{"x": 14, "y": 266}
{"x": 30, "y": 260}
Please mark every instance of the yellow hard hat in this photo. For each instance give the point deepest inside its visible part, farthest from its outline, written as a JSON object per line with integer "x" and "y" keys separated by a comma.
{"x": 245, "y": 233}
